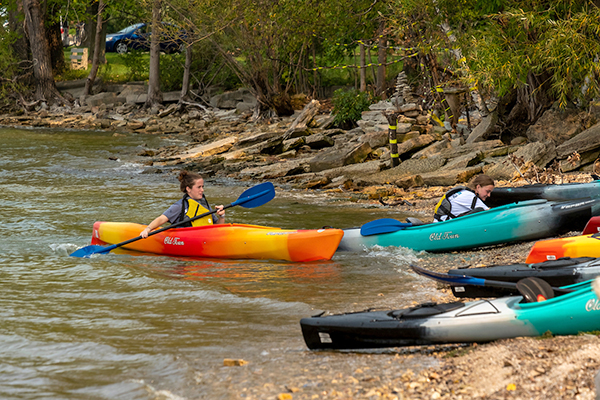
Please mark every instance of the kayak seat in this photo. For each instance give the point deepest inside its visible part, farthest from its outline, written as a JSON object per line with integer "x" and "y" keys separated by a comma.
{"x": 534, "y": 290}
{"x": 415, "y": 221}
{"x": 425, "y": 310}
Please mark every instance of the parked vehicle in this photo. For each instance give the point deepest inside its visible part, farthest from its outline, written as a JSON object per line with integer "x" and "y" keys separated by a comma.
{"x": 137, "y": 37}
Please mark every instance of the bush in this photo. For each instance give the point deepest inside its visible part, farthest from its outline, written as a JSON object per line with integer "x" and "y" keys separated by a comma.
{"x": 348, "y": 106}
{"x": 171, "y": 71}
{"x": 137, "y": 65}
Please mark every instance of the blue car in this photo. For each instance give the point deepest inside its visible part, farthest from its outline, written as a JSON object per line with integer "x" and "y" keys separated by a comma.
{"x": 137, "y": 37}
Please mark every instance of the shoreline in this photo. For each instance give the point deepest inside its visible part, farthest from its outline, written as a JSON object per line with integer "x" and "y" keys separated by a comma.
{"x": 546, "y": 368}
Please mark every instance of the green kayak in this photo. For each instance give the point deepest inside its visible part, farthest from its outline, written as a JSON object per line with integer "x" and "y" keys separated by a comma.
{"x": 527, "y": 220}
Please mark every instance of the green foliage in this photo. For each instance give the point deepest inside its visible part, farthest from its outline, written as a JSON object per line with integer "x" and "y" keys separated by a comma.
{"x": 504, "y": 43}
{"x": 9, "y": 65}
{"x": 348, "y": 106}
{"x": 136, "y": 64}
{"x": 171, "y": 71}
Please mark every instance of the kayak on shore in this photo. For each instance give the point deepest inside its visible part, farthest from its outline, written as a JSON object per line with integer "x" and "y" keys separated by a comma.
{"x": 555, "y": 192}
{"x": 490, "y": 281}
{"x": 574, "y": 246}
{"x": 528, "y": 220}
{"x": 458, "y": 322}
{"x": 230, "y": 241}
{"x": 562, "y": 272}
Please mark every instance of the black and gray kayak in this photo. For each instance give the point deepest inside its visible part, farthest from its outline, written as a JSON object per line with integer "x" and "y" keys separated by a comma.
{"x": 561, "y": 272}
{"x": 578, "y": 310}
{"x": 555, "y": 192}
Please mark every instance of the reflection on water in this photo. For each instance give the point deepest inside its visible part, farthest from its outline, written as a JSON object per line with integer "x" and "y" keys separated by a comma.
{"x": 138, "y": 326}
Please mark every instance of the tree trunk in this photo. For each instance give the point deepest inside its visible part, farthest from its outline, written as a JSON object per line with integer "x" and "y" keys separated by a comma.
{"x": 381, "y": 58}
{"x": 154, "y": 93}
{"x": 42, "y": 68}
{"x": 57, "y": 55}
{"x": 185, "y": 84}
{"x": 15, "y": 22}
{"x": 363, "y": 68}
{"x": 89, "y": 82}
{"x": 315, "y": 91}
{"x": 458, "y": 55}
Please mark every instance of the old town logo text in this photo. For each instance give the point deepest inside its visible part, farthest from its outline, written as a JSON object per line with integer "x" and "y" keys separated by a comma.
{"x": 592, "y": 305}
{"x": 175, "y": 241}
{"x": 443, "y": 236}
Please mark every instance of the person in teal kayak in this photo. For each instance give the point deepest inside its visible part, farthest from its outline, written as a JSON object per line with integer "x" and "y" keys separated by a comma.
{"x": 193, "y": 203}
{"x": 463, "y": 200}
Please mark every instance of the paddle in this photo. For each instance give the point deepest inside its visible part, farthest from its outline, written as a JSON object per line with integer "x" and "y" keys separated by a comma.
{"x": 253, "y": 197}
{"x": 471, "y": 280}
{"x": 383, "y": 225}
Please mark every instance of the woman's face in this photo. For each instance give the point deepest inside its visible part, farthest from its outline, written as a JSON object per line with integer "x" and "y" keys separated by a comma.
{"x": 484, "y": 191}
{"x": 197, "y": 189}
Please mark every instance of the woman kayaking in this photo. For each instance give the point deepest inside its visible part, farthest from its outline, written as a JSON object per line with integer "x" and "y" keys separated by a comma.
{"x": 193, "y": 203}
{"x": 463, "y": 200}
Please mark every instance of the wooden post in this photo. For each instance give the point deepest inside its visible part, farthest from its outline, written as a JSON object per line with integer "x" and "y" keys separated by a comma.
{"x": 392, "y": 118}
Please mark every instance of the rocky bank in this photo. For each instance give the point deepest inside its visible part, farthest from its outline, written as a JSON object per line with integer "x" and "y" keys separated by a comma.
{"x": 306, "y": 151}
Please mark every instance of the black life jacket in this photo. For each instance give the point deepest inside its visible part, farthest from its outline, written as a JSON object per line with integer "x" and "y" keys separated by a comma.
{"x": 194, "y": 208}
{"x": 444, "y": 207}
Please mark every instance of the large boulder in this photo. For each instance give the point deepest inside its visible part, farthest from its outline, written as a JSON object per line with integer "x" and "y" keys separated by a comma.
{"x": 433, "y": 149}
{"x": 210, "y": 149}
{"x": 406, "y": 149}
{"x": 539, "y": 154}
{"x": 340, "y": 156}
{"x": 104, "y": 98}
{"x": 555, "y": 125}
{"x": 319, "y": 141}
{"x": 277, "y": 170}
{"x": 409, "y": 167}
{"x": 586, "y": 141}
{"x": 230, "y": 100}
{"x": 484, "y": 129}
{"x": 467, "y": 160}
{"x": 450, "y": 177}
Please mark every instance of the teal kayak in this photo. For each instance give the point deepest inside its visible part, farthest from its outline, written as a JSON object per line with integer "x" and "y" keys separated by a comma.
{"x": 527, "y": 220}
{"x": 476, "y": 321}
{"x": 556, "y": 192}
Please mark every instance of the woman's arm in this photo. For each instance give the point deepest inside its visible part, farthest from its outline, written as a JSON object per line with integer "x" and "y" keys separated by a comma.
{"x": 158, "y": 221}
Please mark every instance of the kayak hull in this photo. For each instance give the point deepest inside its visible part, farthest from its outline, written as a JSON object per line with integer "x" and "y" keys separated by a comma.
{"x": 557, "y": 192}
{"x": 530, "y": 220}
{"x": 476, "y": 321}
{"x": 574, "y": 246}
{"x": 232, "y": 241}
{"x": 566, "y": 271}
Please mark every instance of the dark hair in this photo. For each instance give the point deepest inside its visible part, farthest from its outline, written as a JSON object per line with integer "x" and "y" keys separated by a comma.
{"x": 481, "y": 180}
{"x": 187, "y": 179}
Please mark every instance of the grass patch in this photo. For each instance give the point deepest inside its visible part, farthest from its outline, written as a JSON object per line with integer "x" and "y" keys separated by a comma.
{"x": 115, "y": 70}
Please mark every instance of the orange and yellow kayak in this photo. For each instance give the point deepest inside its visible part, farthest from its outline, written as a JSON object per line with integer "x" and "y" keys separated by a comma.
{"x": 233, "y": 241}
{"x": 574, "y": 246}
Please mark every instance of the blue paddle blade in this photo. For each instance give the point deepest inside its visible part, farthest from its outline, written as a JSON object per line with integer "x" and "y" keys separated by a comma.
{"x": 87, "y": 251}
{"x": 450, "y": 279}
{"x": 256, "y": 196}
{"x": 383, "y": 225}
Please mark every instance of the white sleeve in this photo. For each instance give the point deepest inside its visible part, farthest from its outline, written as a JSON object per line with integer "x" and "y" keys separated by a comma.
{"x": 461, "y": 203}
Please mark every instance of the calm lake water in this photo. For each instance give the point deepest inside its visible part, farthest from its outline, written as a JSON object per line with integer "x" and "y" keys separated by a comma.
{"x": 138, "y": 326}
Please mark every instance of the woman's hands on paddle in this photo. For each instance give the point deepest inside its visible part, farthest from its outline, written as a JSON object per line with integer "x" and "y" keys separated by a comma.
{"x": 158, "y": 221}
{"x": 220, "y": 213}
